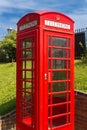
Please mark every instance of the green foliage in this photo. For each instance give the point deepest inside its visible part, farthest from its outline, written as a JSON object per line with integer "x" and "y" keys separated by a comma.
{"x": 7, "y": 87}
{"x": 84, "y": 57}
{"x": 81, "y": 75}
{"x": 8, "y": 47}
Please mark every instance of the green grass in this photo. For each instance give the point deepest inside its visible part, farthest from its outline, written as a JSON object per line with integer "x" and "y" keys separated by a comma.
{"x": 7, "y": 87}
{"x": 81, "y": 75}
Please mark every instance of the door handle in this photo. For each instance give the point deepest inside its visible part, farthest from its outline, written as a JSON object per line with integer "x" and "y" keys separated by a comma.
{"x": 45, "y": 76}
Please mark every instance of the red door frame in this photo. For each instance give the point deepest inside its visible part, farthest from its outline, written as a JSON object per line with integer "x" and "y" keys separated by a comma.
{"x": 45, "y": 84}
{"x": 19, "y": 123}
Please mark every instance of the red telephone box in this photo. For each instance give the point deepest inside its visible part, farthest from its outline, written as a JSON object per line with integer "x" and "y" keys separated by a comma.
{"x": 45, "y": 72}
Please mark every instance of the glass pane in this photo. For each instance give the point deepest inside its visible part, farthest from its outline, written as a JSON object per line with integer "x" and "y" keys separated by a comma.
{"x": 58, "y": 41}
{"x": 60, "y": 53}
{"x": 58, "y": 98}
{"x": 49, "y": 88}
{"x": 68, "y": 42}
{"x": 59, "y": 64}
{"x": 68, "y": 75}
{"x": 27, "y": 43}
{"x": 68, "y": 107}
{"x": 57, "y": 87}
{"x": 49, "y": 124}
{"x": 59, "y": 121}
{"x": 24, "y": 44}
{"x": 68, "y": 54}
{"x": 49, "y": 40}
{"x": 27, "y": 74}
{"x": 27, "y": 85}
{"x": 49, "y": 64}
{"x": 27, "y": 53}
{"x": 59, "y": 75}
{"x": 56, "y": 110}
{"x": 68, "y": 96}
{"x": 49, "y": 52}
{"x": 68, "y": 119}
{"x": 49, "y": 99}
{"x": 68, "y": 64}
{"x": 27, "y": 64}
{"x": 68, "y": 85}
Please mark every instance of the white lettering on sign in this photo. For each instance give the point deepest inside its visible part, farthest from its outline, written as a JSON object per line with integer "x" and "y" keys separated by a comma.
{"x": 57, "y": 24}
{"x": 28, "y": 25}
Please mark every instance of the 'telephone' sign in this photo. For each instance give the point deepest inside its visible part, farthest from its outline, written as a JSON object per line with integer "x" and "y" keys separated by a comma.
{"x": 57, "y": 24}
{"x": 28, "y": 25}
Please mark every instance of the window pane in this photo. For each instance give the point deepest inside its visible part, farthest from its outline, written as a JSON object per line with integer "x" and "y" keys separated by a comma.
{"x": 49, "y": 64}
{"x": 59, "y": 121}
{"x": 27, "y": 64}
{"x": 49, "y": 52}
{"x": 59, "y": 64}
{"x": 57, "y": 87}
{"x": 59, "y": 98}
{"x": 59, "y": 75}
{"x": 58, "y": 53}
{"x": 27, "y": 43}
{"x": 27, "y": 53}
{"x": 58, "y": 41}
{"x": 28, "y": 75}
{"x": 56, "y": 110}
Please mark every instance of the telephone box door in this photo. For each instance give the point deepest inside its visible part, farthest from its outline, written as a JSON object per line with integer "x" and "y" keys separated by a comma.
{"x": 60, "y": 81}
{"x": 26, "y": 90}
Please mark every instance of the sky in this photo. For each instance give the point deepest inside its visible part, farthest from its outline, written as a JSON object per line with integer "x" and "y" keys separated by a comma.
{"x": 12, "y": 10}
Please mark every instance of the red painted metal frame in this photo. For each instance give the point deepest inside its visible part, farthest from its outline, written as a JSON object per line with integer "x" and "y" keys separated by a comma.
{"x": 40, "y": 33}
{"x": 68, "y": 36}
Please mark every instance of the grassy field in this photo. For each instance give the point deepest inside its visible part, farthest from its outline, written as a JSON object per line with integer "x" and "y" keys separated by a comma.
{"x": 81, "y": 75}
{"x": 7, "y": 87}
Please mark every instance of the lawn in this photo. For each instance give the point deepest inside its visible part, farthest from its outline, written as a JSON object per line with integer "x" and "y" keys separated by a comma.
{"x": 81, "y": 75}
{"x": 7, "y": 87}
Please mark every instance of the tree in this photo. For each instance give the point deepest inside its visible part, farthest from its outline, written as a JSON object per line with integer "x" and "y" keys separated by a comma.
{"x": 8, "y": 47}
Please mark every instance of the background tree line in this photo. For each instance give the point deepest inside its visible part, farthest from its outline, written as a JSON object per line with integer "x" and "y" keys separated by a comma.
{"x": 8, "y": 47}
